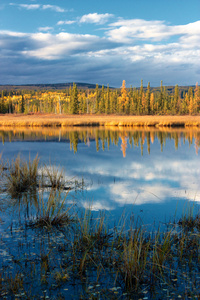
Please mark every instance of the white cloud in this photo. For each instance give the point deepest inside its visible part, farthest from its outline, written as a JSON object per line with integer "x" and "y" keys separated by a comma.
{"x": 39, "y": 6}
{"x": 12, "y": 33}
{"x": 129, "y": 49}
{"x": 47, "y": 46}
{"x": 95, "y": 18}
{"x": 128, "y": 30}
{"x": 66, "y": 22}
{"x": 53, "y": 7}
{"x": 45, "y": 28}
{"x": 30, "y": 6}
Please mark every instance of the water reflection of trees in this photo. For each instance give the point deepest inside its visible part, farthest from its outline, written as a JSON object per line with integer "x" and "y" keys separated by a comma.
{"x": 104, "y": 137}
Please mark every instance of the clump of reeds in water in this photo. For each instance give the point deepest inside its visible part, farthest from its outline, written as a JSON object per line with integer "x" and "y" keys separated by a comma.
{"x": 130, "y": 260}
{"x": 154, "y": 262}
{"x": 93, "y": 233}
{"x": 189, "y": 221}
{"x": 1, "y": 164}
{"x": 53, "y": 177}
{"x": 52, "y": 211}
{"x": 21, "y": 175}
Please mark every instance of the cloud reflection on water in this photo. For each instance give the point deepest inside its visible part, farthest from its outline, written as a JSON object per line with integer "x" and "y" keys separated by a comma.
{"x": 155, "y": 168}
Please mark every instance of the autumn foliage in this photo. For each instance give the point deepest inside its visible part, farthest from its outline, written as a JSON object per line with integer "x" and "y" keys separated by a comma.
{"x": 124, "y": 101}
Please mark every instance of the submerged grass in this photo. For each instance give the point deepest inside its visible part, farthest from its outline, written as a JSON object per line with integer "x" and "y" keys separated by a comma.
{"x": 53, "y": 177}
{"x": 190, "y": 221}
{"x": 52, "y": 211}
{"x": 113, "y": 264}
{"x": 21, "y": 175}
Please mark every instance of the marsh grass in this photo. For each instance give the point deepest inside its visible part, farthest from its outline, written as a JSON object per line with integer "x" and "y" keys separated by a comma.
{"x": 52, "y": 211}
{"x": 53, "y": 177}
{"x": 118, "y": 263}
{"x": 50, "y": 120}
{"x": 21, "y": 175}
{"x": 1, "y": 164}
{"x": 189, "y": 221}
{"x": 93, "y": 232}
{"x": 14, "y": 282}
{"x": 132, "y": 263}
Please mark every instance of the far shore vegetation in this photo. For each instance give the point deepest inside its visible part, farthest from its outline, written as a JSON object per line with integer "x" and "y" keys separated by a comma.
{"x": 105, "y": 100}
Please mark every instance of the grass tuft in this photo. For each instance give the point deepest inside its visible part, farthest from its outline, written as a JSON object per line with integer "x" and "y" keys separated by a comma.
{"x": 54, "y": 178}
{"x": 21, "y": 175}
{"x": 51, "y": 212}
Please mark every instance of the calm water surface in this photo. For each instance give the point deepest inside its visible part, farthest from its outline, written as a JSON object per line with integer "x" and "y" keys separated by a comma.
{"x": 151, "y": 174}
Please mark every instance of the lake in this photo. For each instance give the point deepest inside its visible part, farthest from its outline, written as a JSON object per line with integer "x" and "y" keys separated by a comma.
{"x": 153, "y": 173}
{"x": 150, "y": 175}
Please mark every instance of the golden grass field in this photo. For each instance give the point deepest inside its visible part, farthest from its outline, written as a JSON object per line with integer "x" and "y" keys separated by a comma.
{"x": 52, "y": 120}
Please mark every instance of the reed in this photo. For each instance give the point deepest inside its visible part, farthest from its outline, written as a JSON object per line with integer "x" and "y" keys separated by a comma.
{"x": 132, "y": 262}
{"x": 120, "y": 263}
{"x": 189, "y": 221}
{"x": 1, "y": 165}
{"x": 51, "y": 212}
{"x": 14, "y": 282}
{"x": 21, "y": 175}
{"x": 55, "y": 178}
{"x": 93, "y": 233}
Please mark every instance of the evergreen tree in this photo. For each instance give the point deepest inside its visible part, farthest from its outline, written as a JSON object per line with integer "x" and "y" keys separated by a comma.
{"x": 176, "y": 99}
{"x": 160, "y": 99}
{"x": 102, "y": 100}
{"x": 107, "y": 100}
{"x": 2, "y": 106}
{"x": 74, "y": 100}
{"x": 139, "y": 106}
{"x": 22, "y": 108}
{"x": 148, "y": 96}
{"x": 97, "y": 99}
{"x": 197, "y": 98}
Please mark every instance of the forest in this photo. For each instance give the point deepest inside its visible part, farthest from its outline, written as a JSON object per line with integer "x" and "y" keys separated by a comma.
{"x": 104, "y": 100}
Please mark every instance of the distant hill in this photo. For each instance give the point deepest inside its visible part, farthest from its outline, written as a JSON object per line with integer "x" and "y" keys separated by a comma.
{"x": 53, "y": 86}
{"x": 81, "y": 85}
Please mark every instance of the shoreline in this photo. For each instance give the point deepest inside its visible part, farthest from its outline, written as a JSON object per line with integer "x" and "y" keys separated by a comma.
{"x": 52, "y": 120}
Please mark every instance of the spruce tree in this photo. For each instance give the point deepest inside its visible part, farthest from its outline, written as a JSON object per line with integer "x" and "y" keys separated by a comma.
{"x": 74, "y": 100}
{"x": 148, "y": 95}
{"x": 97, "y": 99}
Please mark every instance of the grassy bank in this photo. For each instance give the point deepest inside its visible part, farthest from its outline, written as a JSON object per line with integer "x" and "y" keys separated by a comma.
{"x": 97, "y": 120}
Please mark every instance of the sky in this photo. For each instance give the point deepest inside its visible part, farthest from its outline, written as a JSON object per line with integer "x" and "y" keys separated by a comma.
{"x": 104, "y": 42}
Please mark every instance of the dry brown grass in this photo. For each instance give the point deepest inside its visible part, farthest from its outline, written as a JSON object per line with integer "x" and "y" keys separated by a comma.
{"x": 51, "y": 120}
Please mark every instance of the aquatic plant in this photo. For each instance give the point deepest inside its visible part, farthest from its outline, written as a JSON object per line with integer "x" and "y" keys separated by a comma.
{"x": 93, "y": 232}
{"x": 21, "y": 175}
{"x": 113, "y": 264}
{"x": 54, "y": 178}
{"x": 133, "y": 258}
{"x": 51, "y": 211}
{"x": 128, "y": 261}
{"x": 189, "y": 220}
{"x": 14, "y": 282}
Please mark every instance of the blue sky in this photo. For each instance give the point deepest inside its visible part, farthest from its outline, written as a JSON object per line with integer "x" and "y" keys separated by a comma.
{"x": 105, "y": 42}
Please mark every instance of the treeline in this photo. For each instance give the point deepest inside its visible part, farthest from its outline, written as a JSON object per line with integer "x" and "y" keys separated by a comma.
{"x": 127, "y": 101}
